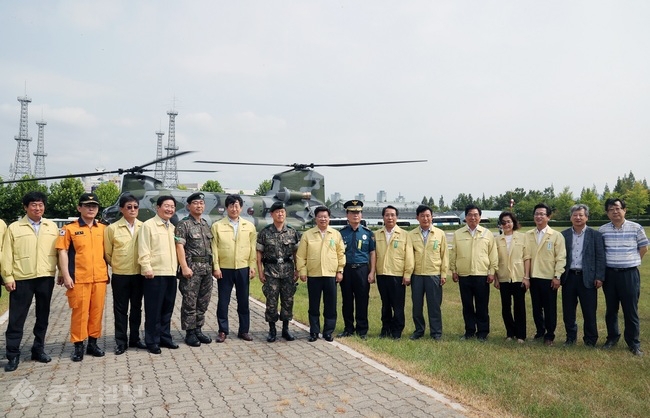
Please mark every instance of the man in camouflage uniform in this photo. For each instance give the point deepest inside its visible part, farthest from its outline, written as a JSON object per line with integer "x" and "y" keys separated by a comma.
{"x": 276, "y": 247}
{"x": 195, "y": 259}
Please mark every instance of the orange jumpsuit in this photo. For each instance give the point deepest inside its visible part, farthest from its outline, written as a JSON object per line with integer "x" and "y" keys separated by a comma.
{"x": 89, "y": 272}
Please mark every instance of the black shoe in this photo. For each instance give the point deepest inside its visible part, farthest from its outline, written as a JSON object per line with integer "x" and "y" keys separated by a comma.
{"x": 634, "y": 350}
{"x": 169, "y": 344}
{"x": 138, "y": 344}
{"x": 78, "y": 353}
{"x": 328, "y": 338}
{"x": 344, "y": 334}
{"x": 191, "y": 338}
{"x": 154, "y": 349}
{"x": 384, "y": 334}
{"x": 120, "y": 349}
{"x": 538, "y": 337}
{"x": 202, "y": 337}
{"x": 312, "y": 337}
{"x": 272, "y": 333}
{"x": 41, "y": 357}
{"x": 94, "y": 350}
{"x": 415, "y": 337}
{"x": 466, "y": 337}
{"x": 285, "y": 332}
{"x": 481, "y": 339}
{"x": 363, "y": 336}
{"x": 13, "y": 364}
{"x": 609, "y": 344}
{"x": 569, "y": 342}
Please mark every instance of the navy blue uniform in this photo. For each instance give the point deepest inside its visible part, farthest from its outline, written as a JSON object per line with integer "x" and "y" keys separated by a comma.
{"x": 355, "y": 288}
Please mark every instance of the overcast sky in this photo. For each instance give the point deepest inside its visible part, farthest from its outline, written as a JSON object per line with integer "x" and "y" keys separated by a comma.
{"x": 494, "y": 94}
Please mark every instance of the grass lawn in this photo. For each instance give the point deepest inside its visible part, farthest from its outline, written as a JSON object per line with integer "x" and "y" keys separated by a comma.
{"x": 500, "y": 378}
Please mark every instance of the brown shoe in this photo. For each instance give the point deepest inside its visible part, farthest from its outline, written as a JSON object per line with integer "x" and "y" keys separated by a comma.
{"x": 221, "y": 337}
{"x": 244, "y": 336}
{"x": 549, "y": 343}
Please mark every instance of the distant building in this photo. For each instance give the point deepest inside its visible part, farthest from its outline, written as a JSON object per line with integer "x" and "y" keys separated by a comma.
{"x": 91, "y": 183}
{"x": 361, "y": 196}
{"x": 192, "y": 186}
{"x": 381, "y": 196}
{"x": 335, "y": 197}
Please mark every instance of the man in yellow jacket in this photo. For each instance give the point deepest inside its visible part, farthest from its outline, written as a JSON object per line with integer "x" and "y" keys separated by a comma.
{"x": 120, "y": 254}
{"x": 394, "y": 266}
{"x": 234, "y": 256}
{"x": 473, "y": 260}
{"x": 158, "y": 262}
{"x": 28, "y": 269}
{"x": 428, "y": 274}
{"x": 547, "y": 263}
{"x": 321, "y": 258}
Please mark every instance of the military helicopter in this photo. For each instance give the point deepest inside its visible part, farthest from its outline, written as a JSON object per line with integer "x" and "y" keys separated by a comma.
{"x": 300, "y": 187}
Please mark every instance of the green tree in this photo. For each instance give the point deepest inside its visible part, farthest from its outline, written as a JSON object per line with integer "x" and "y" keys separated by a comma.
{"x": 461, "y": 201}
{"x": 212, "y": 186}
{"x": 441, "y": 204}
{"x": 108, "y": 193}
{"x": 64, "y": 198}
{"x": 181, "y": 187}
{"x": 264, "y": 187}
{"x": 11, "y": 198}
{"x": 563, "y": 203}
{"x": 589, "y": 197}
{"x": 424, "y": 200}
{"x": 624, "y": 184}
{"x": 637, "y": 199}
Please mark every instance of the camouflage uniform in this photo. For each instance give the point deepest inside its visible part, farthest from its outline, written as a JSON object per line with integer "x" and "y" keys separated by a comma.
{"x": 278, "y": 248}
{"x": 197, "y": 290}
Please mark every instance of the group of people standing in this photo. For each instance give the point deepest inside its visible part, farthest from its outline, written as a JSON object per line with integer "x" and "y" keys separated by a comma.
{"x": 579, "y": 259}
{"x": 149, "y": 258}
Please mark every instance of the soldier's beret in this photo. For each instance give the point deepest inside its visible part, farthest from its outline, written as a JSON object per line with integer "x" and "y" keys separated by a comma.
{"x": 196, "y": 196}
{"x": 276, "y": 205}
{"x": 353, "y": 206}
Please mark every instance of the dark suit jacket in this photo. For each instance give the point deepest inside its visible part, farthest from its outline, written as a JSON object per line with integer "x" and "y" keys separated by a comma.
{"x": 593, "y": 256}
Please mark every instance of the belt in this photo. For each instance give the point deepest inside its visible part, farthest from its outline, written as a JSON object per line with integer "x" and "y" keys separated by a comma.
{"x": 576, "y": 272}
{"x": 622, "y": 269}
{"x": 355, "y": 265}
{"x": 200, "y": 259}
{"x": 278, "y": 260}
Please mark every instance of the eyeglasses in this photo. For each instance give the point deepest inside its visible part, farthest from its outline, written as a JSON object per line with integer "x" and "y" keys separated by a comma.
{"x": 130, "y": 207}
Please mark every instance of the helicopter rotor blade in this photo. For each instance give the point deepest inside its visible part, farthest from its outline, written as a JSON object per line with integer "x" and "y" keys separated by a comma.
{"x": 298, "y": 166}
{"x": 134, "y": 169}
{"x": 236, "y": 163}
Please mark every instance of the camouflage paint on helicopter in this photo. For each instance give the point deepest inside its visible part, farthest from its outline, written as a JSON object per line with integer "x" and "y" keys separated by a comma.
{"x": 299, "y": 203}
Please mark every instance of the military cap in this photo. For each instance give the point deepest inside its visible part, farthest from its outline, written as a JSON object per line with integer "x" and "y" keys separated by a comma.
{"x": 276, "y": 205}
{"x": 89, "y": 198}
{"x": 353, "y": 206}
{"x": 196, "y": 196}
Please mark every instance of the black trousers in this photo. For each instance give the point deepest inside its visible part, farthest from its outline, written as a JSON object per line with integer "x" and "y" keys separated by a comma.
{"x": 622, "y": 287}
{"x": 127, "y": 290}
{"x": 513, "y": 309}
{"x": 159, "y": 297}
{"x": 393, "y": 296}
{"x": 239, "y": 278}
{"x": 475, "y": 296}
{"x": 20, "y": 300}
{"x": 544, "y": 301}
{"x": 355, "y": 293}
{"x": 574, "y": 290}
{"x": 325, "y": 286}
{"x": 430, "y": 287}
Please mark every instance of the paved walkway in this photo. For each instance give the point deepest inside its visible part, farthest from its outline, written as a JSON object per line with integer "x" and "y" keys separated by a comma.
{"x": 233, "y": 379}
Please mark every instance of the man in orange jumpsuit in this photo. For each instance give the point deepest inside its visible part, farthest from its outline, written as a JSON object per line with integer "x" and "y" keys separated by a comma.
{"x": 84, "y": 273}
